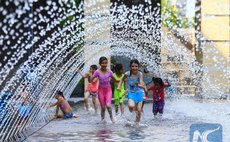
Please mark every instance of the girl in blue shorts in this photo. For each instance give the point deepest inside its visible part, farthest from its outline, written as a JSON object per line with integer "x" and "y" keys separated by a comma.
{"x": 134, "y": 84}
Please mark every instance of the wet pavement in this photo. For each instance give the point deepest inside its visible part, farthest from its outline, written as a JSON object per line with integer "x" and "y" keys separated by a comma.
{"x": 174, "y": 126}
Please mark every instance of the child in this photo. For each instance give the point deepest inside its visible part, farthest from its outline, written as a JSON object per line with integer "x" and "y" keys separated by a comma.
{"x": 158, "y": 95}
{"x": 91, "y": 88}
{"x": 104, "y": 88}
{"x": 64, "y": 106}
{"x": 26, "y": 105}
{"x": 134, "y": 79}
{"x": 118, "y": 94}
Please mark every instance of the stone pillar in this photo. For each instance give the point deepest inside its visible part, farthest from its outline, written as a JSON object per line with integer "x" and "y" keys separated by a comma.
{"x": 214, "y": 27}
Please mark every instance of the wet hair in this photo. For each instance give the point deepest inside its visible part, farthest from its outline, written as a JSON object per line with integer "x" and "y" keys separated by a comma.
{"x": 60, "y": 93}
{"x": 153, "y": 79}
{"x": 118, "y": 67}
{"x": 159, "y": 81}
{"x": 103, "y": 58}
{"x": 134, "y": 61}
{"x": 93, "y": 67}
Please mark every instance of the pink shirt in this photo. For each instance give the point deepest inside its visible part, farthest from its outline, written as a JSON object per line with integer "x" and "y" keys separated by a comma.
{"x": 104, "y": 79}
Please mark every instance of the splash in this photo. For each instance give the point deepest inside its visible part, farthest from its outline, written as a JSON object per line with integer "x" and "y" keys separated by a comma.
{"x": 43, "y": 43}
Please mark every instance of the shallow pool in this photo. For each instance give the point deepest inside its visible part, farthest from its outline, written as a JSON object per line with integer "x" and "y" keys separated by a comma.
{"x": 174, "y": 126}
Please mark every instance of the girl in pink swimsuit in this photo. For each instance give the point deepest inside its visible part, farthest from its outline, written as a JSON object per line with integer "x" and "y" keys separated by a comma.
{"x": 104, "y": 88}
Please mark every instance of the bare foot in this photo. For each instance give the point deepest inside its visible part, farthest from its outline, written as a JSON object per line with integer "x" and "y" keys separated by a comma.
{"x": 103, "y": 121}
{"x": 113, "y": 121}
{"x": 75, "y": 116}
{"x": 137, "y": 124}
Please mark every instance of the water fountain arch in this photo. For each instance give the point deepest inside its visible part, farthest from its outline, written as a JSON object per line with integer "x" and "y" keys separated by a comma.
{"x": 54, "y": 76}
{"x": 57, "y": 52}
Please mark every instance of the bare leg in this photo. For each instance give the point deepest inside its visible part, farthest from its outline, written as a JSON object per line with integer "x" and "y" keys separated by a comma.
{"x": 102, "y": 113}
{"x": 95, "y": 103}
{"x": 60, "y": 116}
{"x": 22, "y": 125}
{"x": 139, "y": 108}
{"x": 122, "y": 108}
{"x": 131, "y": 105}
{"x": 19, "y": 127}
{"x": 27, "y": 122}
{"x": 142, "y": 106}
{"x": 110, "y": 113}
{"x": 116, "y": 109}
{"x": 75, "y": 116}
{"x": 86, "y": 99}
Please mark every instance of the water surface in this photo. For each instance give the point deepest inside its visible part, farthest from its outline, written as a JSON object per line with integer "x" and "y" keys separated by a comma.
{"x": 174, "y": 126}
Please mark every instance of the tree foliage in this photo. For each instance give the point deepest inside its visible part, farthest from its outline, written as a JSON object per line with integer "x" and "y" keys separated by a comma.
{"x": 171, "y": 17}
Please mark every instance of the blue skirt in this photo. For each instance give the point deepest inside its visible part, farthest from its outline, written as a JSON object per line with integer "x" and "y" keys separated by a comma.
{"x": 136, "y": 96}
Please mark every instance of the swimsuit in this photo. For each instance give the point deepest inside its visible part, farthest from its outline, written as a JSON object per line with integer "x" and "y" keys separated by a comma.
{"x": 118, "y": 95}
{"x": 94, "y": 94}
{"x": 92, "y": 87}
{"x": 68, "y": 115}
{"x": 24, "y": 110}
{"x": 135, "y": 93}
{"x": 104, "y": 88}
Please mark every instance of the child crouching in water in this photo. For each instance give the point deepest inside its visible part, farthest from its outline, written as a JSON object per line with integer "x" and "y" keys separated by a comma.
{"x": 64, "y": 106}
{"x": 158, "y": 95}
